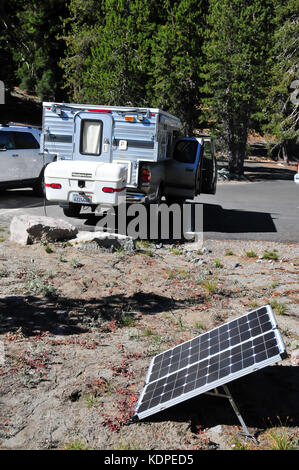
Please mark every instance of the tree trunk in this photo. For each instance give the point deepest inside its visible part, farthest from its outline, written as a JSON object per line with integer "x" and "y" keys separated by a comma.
{"x": 236, "y": 161}
{"x": 236, "y": 164}
{"x": 285, "y": 154}
{"x": 237, "y": 143}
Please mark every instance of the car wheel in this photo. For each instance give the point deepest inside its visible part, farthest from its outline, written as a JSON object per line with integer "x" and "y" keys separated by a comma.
{"x": 39, "y": 188}
{"x": 72, "y": 211}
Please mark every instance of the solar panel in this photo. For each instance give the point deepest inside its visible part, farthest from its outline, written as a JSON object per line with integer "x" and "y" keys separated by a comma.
{"x": 223, "y": 354}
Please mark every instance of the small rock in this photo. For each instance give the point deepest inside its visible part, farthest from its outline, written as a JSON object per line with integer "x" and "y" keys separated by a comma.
{"x": 200, "y": 262}
{"x": 216, "y": 429}
{"x": 235, "y": 265}
{"x": 294, "y": 344}
{"x": 295, "y": 357}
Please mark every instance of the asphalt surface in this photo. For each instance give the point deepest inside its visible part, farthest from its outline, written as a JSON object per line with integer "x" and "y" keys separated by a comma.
{"x": 267, "y": 208}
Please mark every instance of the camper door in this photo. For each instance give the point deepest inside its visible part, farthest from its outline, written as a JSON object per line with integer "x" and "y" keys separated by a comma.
{"x": 93, "y": 136}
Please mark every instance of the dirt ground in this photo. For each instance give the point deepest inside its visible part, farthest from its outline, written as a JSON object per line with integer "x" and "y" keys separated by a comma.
{"x": 78, "y": 329}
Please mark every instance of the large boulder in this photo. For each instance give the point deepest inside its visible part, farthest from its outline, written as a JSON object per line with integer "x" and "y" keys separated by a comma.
{"x": 27, "y": 229}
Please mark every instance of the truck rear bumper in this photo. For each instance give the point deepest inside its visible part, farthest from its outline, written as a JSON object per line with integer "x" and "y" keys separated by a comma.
{"x": 137, "y": 197}
{"x": 130, "y": 198}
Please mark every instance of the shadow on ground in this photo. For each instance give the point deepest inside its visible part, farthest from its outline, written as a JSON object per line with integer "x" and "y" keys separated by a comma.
{"x": 21, "y": 199}
{"x": 215, "y": 219}
{"x": 64, "y": 316}
{"x": 266, "y": 398}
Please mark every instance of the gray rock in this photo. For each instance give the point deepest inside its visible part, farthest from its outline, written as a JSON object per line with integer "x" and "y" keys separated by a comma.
{"x": 295, "y": 357}
{"x": 235, "y": 265}
{"x": 27, "y": 229}
{"x": 108, "y": 241}
{"x": 199, "y": 262}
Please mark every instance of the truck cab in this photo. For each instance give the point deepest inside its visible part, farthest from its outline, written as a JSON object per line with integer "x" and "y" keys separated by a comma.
{"x": 192, "y": 169}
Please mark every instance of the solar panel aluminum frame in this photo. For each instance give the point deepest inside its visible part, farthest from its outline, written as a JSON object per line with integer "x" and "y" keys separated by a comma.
{"x": 213, "y": 385}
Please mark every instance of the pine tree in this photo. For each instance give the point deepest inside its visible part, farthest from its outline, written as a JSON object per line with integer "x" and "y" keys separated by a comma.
{"x": 80, "y": 36}
{"x": 136, "y": 53}
{"x": 176, "y": 61}
{"x": 7, "y": 65}
{"x": 31, "y": 28}
{"x": 236, "y": 48}
{"x": 114, "y": 53}
{"x": 283, "y": 99}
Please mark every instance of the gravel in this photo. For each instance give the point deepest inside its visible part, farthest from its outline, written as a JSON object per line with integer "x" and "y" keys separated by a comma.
{"x": 79, "y": 328}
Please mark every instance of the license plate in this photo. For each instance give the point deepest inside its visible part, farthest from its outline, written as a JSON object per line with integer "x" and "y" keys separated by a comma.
{"x": 82, "y": 199}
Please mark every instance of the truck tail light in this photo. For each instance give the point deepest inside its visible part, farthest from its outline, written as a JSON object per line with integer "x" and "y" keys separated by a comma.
{"x": 112, "y": 190}
{"x": 145, "y": 175}
{"x": 53, "y": 185}
{"x": 93, "y": 110}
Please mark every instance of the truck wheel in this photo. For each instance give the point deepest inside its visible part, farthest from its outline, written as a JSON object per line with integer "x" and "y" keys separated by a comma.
{"x": 72, "y": 211}
{"x": 174, "y": 200}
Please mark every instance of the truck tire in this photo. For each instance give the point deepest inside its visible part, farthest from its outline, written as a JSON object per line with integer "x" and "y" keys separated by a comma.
{"x": 72, "y": 211}
{"x": 174, "y": 200}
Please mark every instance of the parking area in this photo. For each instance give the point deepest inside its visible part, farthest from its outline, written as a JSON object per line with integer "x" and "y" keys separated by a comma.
{"x": 266, "y": 208}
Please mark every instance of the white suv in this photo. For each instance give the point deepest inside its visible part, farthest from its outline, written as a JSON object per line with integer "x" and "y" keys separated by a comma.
{"x": 21, "y": 163}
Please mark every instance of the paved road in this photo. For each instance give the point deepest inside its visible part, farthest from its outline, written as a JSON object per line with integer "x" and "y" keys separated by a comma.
{"x": 266, "y": 209}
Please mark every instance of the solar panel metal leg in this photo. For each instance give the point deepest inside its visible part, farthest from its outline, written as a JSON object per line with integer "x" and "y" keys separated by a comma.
{"x": 228, "y": 395}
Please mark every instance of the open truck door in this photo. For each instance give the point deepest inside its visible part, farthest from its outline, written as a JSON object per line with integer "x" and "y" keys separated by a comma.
{"x": 209, "y": 167}
{"x": 93, "y": 136}
{"x": 183, "y": 171}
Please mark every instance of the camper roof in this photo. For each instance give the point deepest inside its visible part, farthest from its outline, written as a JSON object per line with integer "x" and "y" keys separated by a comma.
{"x": 122, "y": 109}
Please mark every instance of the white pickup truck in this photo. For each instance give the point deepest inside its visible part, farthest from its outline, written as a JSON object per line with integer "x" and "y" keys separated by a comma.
{"x": 104, "y": 152}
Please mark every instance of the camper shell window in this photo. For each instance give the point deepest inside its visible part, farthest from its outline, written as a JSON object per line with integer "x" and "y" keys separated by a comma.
{"x": 91, "y": 137}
